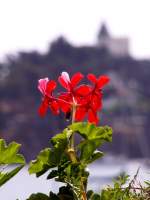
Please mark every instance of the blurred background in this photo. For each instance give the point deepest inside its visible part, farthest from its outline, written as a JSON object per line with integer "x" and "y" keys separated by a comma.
{"x": 43, "y": 38}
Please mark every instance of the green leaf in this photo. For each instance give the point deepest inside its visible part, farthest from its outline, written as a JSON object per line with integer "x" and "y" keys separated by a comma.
{"x": 60, "y": 140}
{"x": 76, "y": 177}
{"x": 94, "y": 137}
{"x": 50, "y": 158}
{"x": 41, "y": 163}
{"x": 87, "y": 150}
{"x": 96, "y": 155}
{"x": 66, "y": 193}
{"x": 95, "y": 197}
{"x": 9, "y": 154}
{"x": 52, "y": 174}
{"x": 90, "y": 131}
{"x": 39, "y": 196}
{"x": 53, "y": 196}
{"x": 89, "y": 194}
{"x": 4, "y": 177}
{"x": 147, "y": 183}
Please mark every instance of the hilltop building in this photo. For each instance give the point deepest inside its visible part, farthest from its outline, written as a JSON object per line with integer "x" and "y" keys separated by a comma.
{"x": 118, "y": 47}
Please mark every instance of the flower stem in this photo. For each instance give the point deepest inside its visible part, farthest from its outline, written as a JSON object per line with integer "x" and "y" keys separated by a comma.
{"x": 71, "y": 150}
{"x": 72, "y": 153}
{"x": 73, "y": 120}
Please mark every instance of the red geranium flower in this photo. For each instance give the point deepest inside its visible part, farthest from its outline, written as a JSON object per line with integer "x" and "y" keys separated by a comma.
{"x": 93, "y": 102}
{"x": 85, "y": 108}
{"x": 74, "y": 93}
{"x": 47, "y": 87}
{"x": 99, "y": 82}
{"x": 68, "y": 83}
{"x": 95, "y": 99}
{"x": 96, "y": 94}
{"x": 86, "y": 99}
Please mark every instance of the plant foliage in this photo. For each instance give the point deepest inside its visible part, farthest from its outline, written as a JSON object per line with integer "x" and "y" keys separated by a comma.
{"x": 66, "y": 165}
{"x": 9, "y": 156}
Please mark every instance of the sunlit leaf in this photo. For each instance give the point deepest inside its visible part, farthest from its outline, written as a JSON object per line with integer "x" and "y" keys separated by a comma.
{"x": 4, "y": 177}
{"x": 9, "y": 154}
{"x": 41, "y": 162}
{"x": 93, "y": 138}
{"x": 50, "y": 158}
{"x": 90, "y": 131}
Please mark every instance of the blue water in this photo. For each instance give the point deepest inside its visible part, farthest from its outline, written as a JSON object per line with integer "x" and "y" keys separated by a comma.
{"x": 102, "y": 173}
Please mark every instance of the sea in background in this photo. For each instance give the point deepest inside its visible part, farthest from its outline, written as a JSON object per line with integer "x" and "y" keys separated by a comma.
{"x": 101, "y": 174}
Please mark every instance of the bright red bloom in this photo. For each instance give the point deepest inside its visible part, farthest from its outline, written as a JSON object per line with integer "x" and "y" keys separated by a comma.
{"x": 96, "y": 95}
{"x": 86, "y": 99}
{"x": 68, "y": 84}
{"x": 99, "y": 82}
{"x": 95, "y": 99}
{"x": 86, "y": 109}
{"x": 74, "y": 93}
{"x": 93, "y": 103}
{"x": 47, "y": 87}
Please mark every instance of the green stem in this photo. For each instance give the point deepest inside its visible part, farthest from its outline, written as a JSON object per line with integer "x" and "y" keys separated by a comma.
{"x": 73, "y": 120}
{"x": 72, "y": 153}
{"x": 71, "y": 150}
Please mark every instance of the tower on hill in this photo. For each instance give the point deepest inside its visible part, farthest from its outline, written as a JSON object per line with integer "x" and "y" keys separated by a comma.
{"x": 117, "y": 47}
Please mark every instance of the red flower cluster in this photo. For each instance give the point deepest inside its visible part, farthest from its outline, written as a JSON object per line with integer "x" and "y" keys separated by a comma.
{"x": 82, "y": 101}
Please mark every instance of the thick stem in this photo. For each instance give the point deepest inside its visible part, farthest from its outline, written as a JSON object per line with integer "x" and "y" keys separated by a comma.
{"x": 73, "y": 120}
{"x": 72, "y": 153}
{"x": 71, "y": 150}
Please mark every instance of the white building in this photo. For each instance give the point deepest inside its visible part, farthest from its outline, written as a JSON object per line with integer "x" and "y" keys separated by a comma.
{"x": 118, "y": 47}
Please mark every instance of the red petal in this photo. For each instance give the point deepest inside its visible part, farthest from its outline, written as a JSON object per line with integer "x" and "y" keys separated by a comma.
{"x": 66, "y": 97}
{"x": 54, "y": 107}
{"x": 51, "y": 85}
{"x": 63, "y": 82}
{"x": 102, "y": 80}
{"x": 65, "y": 107}
{"x": 65, "y": 101}
{"x": 83, "y": 90}
{"x": 96, "y": 101}
{"x": 42, "y": 109}
{"x": 80, "y": 114}
{"x": 83, "y": 101}
{"x": 42, "y": 83}
{"x": 92, "y": 78}
{"x": 76, "y": 78}
{"x": 92, "y": 117}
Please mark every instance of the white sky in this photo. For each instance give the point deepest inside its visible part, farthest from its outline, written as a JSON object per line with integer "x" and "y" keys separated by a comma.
{"x": 31, "y": 24}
